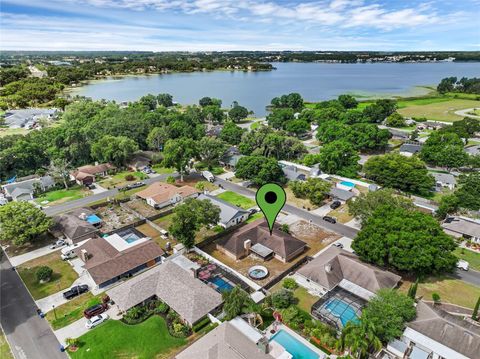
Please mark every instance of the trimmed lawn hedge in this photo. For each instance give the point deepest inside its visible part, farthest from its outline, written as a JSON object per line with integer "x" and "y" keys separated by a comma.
{"x": 63, "y": 275}
{"x": 115, "y": 339}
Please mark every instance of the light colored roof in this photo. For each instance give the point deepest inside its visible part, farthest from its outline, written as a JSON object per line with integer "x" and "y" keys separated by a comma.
{"x": 283, "y": 244}
{"x": 163, "y": 192}
{"x": 106, "y": 262}
{"x": 335, "y": 264}
{"x": 21, "y": 117}
{"x": 188, "y": 296}
{"x": 227, "y": 210}
{"x": 341, "y": 194}
{"x": 445, "y": 178}
{"x": 224, "y": 342}
{"x": 292, "y": 174}
{"x": 449, "y": 330}
{"x": 89, "y": 170}
{"x": 411, "y": 147}
{"x": 462, "y": 226}
{"x": 44, "y": 182}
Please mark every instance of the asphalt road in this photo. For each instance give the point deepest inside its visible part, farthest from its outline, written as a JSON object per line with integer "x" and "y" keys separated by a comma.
{"x": 29, "y": 335}
{"x": 85, "y": 201}
{"x": 471, "y": 276}
{"x": 337, "y": 227}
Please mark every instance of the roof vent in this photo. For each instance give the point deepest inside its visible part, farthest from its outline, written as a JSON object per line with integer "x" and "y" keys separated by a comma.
{"x": 328, "y": 268}
{"x": 247, "y": 244}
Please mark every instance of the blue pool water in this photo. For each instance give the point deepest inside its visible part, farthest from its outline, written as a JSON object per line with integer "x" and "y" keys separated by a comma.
{"x": 294, "y": 346}
{"x": 341, "y": 310}
{"x": 222, "y": 285}
{"x": 348, "y": 184}
{"x": 131, "y": 237}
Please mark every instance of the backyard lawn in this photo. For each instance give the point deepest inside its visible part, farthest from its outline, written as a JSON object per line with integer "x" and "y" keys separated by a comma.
{"x": 451, "y": 290}
{"x": 72, "y": 310}
{"x": 63, "y": 195}
{"x": 5, "y": 352}
{"x": 473, "y": 258}
{"x": 305, "y": 299}
{"x": 62, "y": 278}
{"x": 237, "y": 199}
{"x": 115, "y": 339}
{"x": 118, "y": 179}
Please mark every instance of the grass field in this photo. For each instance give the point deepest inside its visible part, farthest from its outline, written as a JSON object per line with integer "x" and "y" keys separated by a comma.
{"x": 115, "y": 339}
{"x": 236, "y": 199}
{"x": 118, "y": 180}
{"x": 451, "y": 290}
{"x": 63, "y": 195}
{"x": 62, "y": 278}
{"x": 72, "y": 310}
{"x": 5, "y": 131}
{"x": 163, "y": 170}
{"x": 471, "y": 257}
{"x": 437, "y": 108}
{"x": 5, "y": 352}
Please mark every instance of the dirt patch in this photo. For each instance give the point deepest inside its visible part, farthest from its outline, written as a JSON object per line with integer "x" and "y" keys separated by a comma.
{"x": 115, "y": 216}
{"x": 141, "y": 207}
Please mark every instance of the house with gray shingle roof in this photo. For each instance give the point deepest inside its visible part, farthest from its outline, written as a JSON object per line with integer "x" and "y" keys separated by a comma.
{"x": 230, "y": 215}
{"x": 340, "y": 194}
{"x": 188, "y": 296}
{"x": 408, "y": 149}
{"x": 24, "y": 190}
{"x": 20, "y": 118}
{"x": 444, "y": 180}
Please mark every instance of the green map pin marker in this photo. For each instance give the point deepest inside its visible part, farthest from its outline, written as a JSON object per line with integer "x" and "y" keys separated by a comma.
{"x": 271, "y": 199}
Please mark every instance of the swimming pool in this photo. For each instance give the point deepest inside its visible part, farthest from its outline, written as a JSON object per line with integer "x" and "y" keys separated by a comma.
{"x": 131, "y": 237}
{"x": 294, "y": 346}
{"x": 342, "y": 310}
{"x": 347, "y": 184}
{"x": 222, "y": 284}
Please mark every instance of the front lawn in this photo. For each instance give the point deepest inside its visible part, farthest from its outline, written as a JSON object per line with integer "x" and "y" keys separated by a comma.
{"x": 341, "y": 214}
{"x": 5, "y": 352}
{"x": 163, "y": 170}
{"x": 62, "y": 278}
{"x": 473, "y": 258}
{"x": 451, "y": 290}
{"x": 72, "y": 310}
{"x": 115, "y": 339}
{"x": 237, "y": 199}
{"x": 63, "y": 195}
{"x": 118, "y": 180}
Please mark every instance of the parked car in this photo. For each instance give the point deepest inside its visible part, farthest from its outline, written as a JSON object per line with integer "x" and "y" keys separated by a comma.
{"x": 147, "y": 170}
{"x": 58, "y": 244}
{"x": 74, "y": 291}
{"x": 91, "y": 186}
{"x": 135, "y": 185}
{"x": 462, "y": 264}
{"x": 94, "y": 310}
{"x": 329, "y": 219}
{"x": 335, "y": 204}
{"x": 338, "y": 245}
{"x": 96, "y": 320}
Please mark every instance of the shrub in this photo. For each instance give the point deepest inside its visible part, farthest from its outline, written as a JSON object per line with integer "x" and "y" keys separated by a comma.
{"x": 179, "y": 330}
{"x": 72, "y": 342}
{"x": 201, "y": 324}
{"x": 170, "y": 180}
{"x": 172, "y": 316}
{"x": 129, "y": 178}
{"x": 44, "y": 273}
{"x": 282, "y": 299}
{"x": 436, "y": 298}
{"x": 162, "y": 308}
{"x": 290, "y": 283}
{"x": 200, "y": 185}
{"x": 285, "y": 228}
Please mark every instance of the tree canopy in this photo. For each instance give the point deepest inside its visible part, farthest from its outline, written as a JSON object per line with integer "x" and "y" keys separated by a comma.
{"x": 314, "y": 189}
{"x": 444, "y": 150}
{"x": 339, "y": 157}
{"x": 259, "y": 170}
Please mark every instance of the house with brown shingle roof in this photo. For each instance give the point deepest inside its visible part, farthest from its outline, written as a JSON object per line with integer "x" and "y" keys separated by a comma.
{"x": 160, "y": 194}
{"x": 112, "y": 258}
{"x": 338, "y": 267}
{"x": 75, "y": 225}
{"x": 85, "y": 175}
{"x": 188, "y": 296}
{"x": 437, "y": 334}
{"x": 254, "y": 238}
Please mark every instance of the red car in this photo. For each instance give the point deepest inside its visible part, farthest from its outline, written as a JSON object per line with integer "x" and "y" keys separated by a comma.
{"x": 95, "y": 310}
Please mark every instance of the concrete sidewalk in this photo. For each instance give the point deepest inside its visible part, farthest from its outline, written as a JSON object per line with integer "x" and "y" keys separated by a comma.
{"x": 17, "y": 260}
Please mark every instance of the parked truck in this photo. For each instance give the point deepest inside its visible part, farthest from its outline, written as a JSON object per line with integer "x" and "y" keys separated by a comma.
{"x": 69, "y": 252}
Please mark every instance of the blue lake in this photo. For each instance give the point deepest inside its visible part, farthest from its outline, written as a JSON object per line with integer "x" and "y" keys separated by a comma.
{"x": 314, "y": 81}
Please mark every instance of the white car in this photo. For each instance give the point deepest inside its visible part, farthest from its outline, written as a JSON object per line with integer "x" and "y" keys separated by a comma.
{"x": 462, "y": 264}
{"x": 96, "y": 320}
{"x": 57, "y": 244}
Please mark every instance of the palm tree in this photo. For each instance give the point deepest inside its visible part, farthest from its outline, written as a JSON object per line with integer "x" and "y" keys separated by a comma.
{"x": 360, "y": 338}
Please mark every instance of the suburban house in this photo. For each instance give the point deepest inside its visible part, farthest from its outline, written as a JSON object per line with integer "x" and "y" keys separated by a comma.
{"x": 444, "y": 180}
{"x": 160, "y": 194}
{"x": 436, "y": 334}
{"x": 408, "y": 149}
{"x": 77, "y": 225}
{"x": 255, "y": 239}
{"x": 230, "y": 215}
{"x": 231, "y": 157}
{"x": 473, "y": 150}
{"x": 27, "y": 118}
{"x": 340, "y": 194}
{"x": 292, "y": 174}
{"x": 338, "y": 267}
{"x": 140, "y": 160}
{"x": 233, "y": 340}
{"x": 25, "y": 190}
{"x": 85, "y": 175}
{"x": 118, "y": 256}
{"x": 461, "y": 227}
{"x": 213, "y": 130}
{"x": 430, "y": 125}
{"x": 173, "y": 284}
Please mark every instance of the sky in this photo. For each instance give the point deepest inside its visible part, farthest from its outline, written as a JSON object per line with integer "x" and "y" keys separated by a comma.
{"x": 222, "y": 25}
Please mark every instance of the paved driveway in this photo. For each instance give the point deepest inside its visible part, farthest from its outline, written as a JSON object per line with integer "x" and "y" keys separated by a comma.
{"x": 30, "y": 336}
